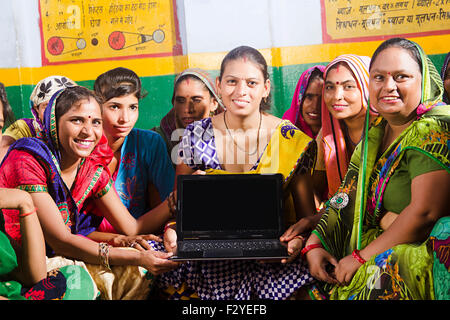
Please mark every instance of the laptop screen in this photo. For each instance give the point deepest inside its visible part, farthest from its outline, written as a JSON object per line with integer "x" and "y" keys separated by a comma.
{"x": 230, "y": 206}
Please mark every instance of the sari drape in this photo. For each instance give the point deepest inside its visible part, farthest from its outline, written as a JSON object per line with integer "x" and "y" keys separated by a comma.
{"x": 352, "y": 217}
{"x": 76, "y": 206}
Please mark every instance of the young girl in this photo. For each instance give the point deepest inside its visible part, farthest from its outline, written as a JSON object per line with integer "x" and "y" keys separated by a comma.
{"x": 141, "y": 169}
{"x": 66, "y": 176}
{"x": 23, "y": 268}
{"x": 245, "y": 138}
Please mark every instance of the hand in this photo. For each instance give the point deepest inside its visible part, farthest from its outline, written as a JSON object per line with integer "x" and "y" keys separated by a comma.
{"x": 300, "y": 227}
{"x": 321, "y": 264}
{"x": 346, "y": 269}
{"x": 201, "y": 172}
{"x": 170, "y": 240}
{"x": 139, "y": 242}
{"x": 294, "y": 247}
{"x": 157, "y": 262}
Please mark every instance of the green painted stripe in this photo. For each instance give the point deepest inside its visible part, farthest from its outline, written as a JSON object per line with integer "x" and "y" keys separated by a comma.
{"x": 159, "y": 92}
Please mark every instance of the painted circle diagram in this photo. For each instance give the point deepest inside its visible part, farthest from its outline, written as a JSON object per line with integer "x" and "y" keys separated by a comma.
{"x": 55, "y": 46}
{"x": 116, "y": 40}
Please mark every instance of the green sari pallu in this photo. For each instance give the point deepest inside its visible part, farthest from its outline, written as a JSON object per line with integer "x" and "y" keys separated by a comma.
{"x": 352, "y": 217}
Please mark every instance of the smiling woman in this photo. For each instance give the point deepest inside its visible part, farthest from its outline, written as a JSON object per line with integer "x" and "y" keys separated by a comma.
{"x": 269, "y": 145}
{"x": 387, "y": 241}
{"x": 65, "y": 173}
{"x": 344, "y": 106}
{"x": 79, "y": 127}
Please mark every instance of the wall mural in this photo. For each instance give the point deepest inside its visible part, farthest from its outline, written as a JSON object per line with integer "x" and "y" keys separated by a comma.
{"x": 88, "y": 30}
{"x": 356, "y": 20}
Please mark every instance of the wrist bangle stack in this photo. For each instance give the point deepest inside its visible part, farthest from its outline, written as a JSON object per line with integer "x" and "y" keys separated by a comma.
{"x": 357, "y": 256}
{"x": 103, "y": 252}
{"x": 22, "y": 215}
{"x": 308, "y": 248}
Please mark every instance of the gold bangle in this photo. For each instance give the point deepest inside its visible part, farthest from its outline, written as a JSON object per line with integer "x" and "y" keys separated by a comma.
{"x": 103, "y": 252}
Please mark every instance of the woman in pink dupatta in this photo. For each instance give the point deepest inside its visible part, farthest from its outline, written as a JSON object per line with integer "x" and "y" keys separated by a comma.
{"x": 308, "y": 92}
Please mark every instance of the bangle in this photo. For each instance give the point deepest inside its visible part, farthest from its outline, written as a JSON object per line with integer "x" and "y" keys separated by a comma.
{"x": 357, "y": 256}
{"x": 22, "y": 215}
{"x": 103, "y": 252}
{"x": 169, "y": 225}
{"x": 308, "y": 248}
{"x": 299, "y": 237}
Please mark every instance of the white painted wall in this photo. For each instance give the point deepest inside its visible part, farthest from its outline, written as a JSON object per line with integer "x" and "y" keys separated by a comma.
{"x": 205, "y": 26}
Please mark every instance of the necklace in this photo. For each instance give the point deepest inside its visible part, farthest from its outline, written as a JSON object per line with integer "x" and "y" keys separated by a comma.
{"x": 257, "y": 138}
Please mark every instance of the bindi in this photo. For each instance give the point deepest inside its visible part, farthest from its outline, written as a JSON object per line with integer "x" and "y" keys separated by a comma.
{"x": 337, "y": 82}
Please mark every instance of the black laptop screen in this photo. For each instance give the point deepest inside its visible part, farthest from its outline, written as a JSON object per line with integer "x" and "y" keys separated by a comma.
{"x": 230, "y": 206}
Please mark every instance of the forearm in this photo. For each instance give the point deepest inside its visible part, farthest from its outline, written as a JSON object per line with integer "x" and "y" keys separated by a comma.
{"x": 303, "y": 196}
{"x": 32, "y": 263}
{"x": 98, "y": 236}
{"x": 408, "y": 227}
{"x": 84, "y": 249}
{"x": 153, "y": 221}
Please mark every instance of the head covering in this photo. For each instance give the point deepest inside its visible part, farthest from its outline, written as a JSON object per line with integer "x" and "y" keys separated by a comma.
{"x": 445, "y": 98}
{"x": 46, "y": 148}
{"x": 168, "y": 122}
{"x": 44, "y": 90}
{"x": 432, "y": 90}
{"x": 47, "y": 87}
{"x": 204, "y": 77}
{"x": 335, "y": 151}
{"x": 294, "y": 113}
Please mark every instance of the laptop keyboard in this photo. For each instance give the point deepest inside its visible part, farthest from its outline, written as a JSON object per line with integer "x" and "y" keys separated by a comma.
{"x": 230, "y": 244}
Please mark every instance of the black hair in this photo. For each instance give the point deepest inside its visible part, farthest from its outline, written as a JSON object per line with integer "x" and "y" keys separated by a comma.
{"x": 118, "y": 82}
{"x": 315, "y": 74}
{"x": 72, "y": 96}
{"x": 399, "y": 43}
{"x": 8, "y": 114}
{"x": 257, "y": 58}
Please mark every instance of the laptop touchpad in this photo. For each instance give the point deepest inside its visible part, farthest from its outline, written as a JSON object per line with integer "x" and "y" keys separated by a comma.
{"x": 218, "y": 253}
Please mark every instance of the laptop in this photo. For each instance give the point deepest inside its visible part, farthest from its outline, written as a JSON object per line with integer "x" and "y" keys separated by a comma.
{"x": 230, "y": 216}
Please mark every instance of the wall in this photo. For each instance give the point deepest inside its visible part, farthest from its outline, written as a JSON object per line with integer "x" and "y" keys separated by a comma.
{"x": 291, "y": 34}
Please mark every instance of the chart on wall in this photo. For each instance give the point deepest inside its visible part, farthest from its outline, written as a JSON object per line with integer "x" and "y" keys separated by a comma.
{"x": 350, "y": 20}
{"x": 90, "y": 30}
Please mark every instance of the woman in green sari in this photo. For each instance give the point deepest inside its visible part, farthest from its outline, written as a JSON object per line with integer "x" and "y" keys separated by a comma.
{"x": 385, "y": 233}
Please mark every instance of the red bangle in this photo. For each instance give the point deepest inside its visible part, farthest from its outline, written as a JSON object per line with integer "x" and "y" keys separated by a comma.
{"x": 308, "y": 248}
{"x": 22, "y": 215}
{"x": 357, "y": 256}
{"x": 168, "y": 225}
